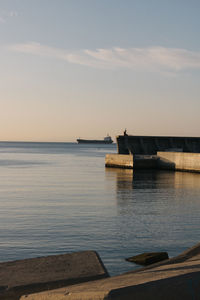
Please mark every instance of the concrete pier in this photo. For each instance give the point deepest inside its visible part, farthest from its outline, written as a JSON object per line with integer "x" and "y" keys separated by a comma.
{"x": 44, "y": 273}
{"x": 119, "y": 161}
{"x": 179, "y": 161}
{"x": 156, "y": 152}
{"x": 177, "y": 278}
{"x": 131, "y": 161}
{"x": 150, "y": 145}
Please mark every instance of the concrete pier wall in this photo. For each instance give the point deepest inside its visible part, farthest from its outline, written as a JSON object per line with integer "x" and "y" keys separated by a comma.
{"x": 150, "y": 145}
{"x": 119, "y": 161}
{"x": 179, "y": 161}
{"x": 163, "y": 160}
{"x": 156, "y": 152}
{"x": 131, "y": 161}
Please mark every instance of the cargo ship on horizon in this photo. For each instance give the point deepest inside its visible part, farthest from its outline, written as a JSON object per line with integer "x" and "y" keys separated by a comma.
{"x": 106, "y": 140}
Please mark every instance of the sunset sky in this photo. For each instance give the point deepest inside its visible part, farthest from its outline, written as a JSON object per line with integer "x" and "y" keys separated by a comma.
{"x": 85, "y": 68}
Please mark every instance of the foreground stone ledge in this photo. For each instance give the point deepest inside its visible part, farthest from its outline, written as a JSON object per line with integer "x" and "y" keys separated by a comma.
{"x": 27, "y": 276}
{"x": 174, "y": 279}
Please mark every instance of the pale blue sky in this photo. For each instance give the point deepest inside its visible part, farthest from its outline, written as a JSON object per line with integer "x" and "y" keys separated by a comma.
{"x": 86, "y": 68}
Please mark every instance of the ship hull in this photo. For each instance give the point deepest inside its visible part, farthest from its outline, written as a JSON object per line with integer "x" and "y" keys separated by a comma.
{"x": 81, "y": 141}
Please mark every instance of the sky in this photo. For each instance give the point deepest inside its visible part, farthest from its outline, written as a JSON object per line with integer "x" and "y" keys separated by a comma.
{"x": 88, "y": 68}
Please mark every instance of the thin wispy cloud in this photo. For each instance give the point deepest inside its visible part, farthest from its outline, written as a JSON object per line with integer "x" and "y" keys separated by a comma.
{"x": 149, "y": 58}
{"x": 4, "y": 15}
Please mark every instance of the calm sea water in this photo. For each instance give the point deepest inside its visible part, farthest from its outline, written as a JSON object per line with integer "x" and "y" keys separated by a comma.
{"x": 58, "y": 198}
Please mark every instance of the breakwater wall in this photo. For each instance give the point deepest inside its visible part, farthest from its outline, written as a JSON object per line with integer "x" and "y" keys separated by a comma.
{"x": 150, "y": 145}
{"x": 119, "y": 161}
{"x": 179, "y": 161}
{"x": 156, "y": 152}
{"x": 129, "y": 161}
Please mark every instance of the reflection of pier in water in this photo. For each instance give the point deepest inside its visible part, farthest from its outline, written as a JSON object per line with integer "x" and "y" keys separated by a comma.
{"x": 135, "y": 189}
{"x": 130, "y": 179}
{"x": 139, "y": 179}
{"x": 155, "y": 210}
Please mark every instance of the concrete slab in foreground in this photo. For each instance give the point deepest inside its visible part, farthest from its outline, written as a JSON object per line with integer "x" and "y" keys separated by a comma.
{"x": 174, "y": 279}
{"x": 44, "y": 273}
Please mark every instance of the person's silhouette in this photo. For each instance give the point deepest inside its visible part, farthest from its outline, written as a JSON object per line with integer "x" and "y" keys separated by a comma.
{"x": 125, "y": 133}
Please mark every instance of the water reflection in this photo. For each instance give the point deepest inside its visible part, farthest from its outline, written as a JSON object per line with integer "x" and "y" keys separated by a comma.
{"x": 156, "y": 211}
{"x": 151, "y": 192}
{"x": 141, "y": 179}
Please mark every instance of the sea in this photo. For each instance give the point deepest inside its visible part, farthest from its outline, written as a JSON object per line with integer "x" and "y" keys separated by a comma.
{"x": 59, "y": 198}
